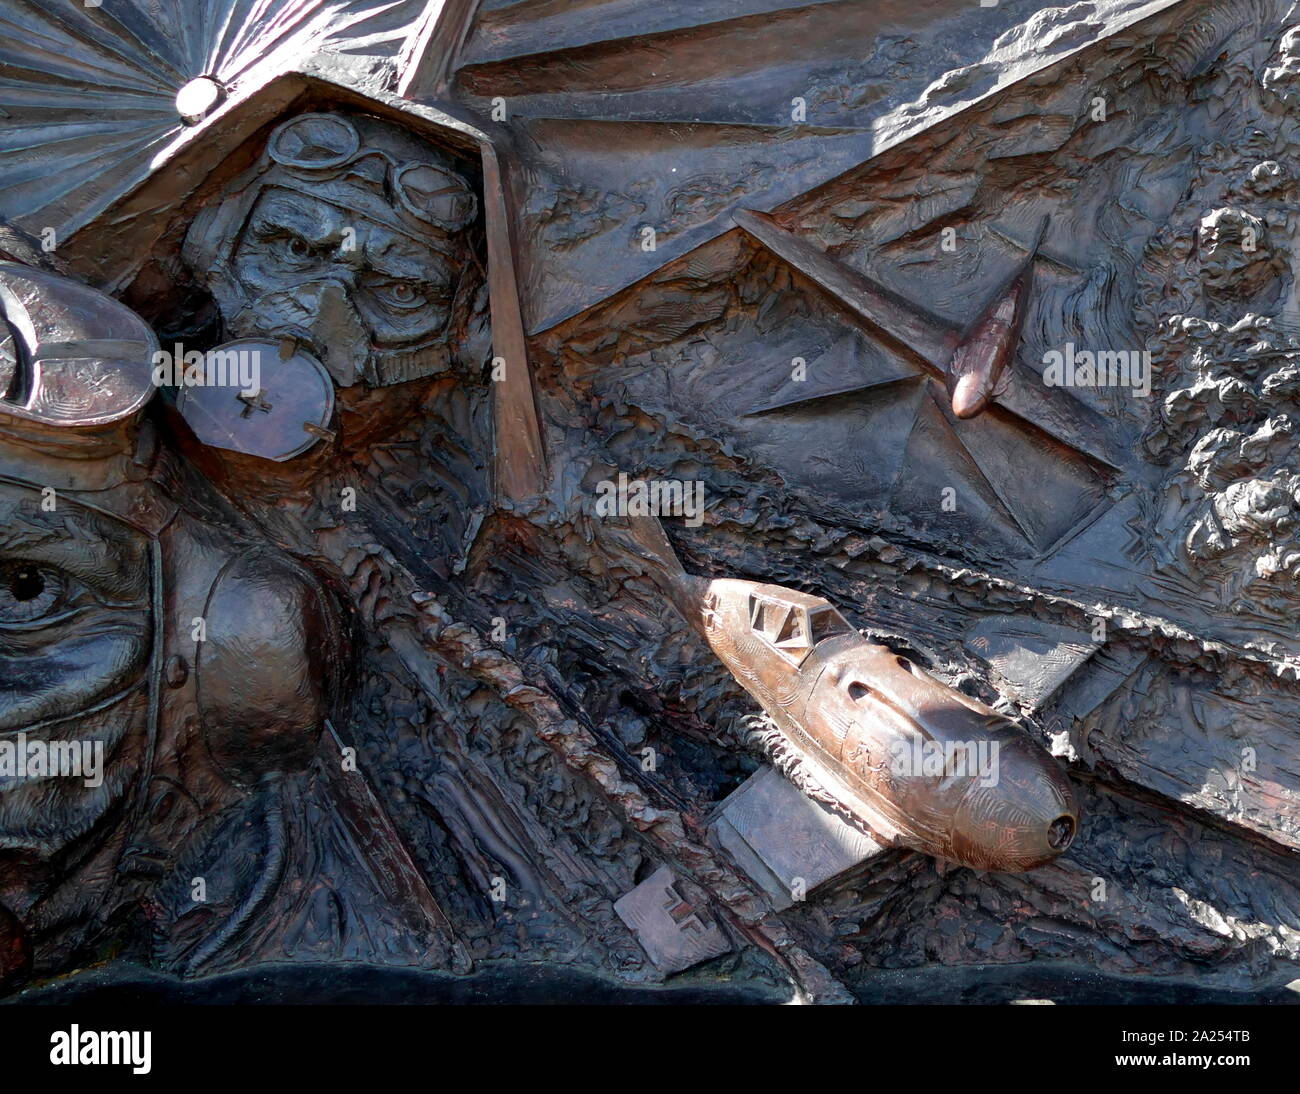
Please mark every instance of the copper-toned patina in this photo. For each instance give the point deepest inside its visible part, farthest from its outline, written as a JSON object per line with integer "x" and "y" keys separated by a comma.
{"x": 991, "y": 342}
{"x": 343, "y": 341}
{"x": 877, "y": 724}
{"x": 140, "y": 617}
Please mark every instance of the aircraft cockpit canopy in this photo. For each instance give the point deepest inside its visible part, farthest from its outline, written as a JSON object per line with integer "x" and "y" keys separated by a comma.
{"x": 794, "y": 626}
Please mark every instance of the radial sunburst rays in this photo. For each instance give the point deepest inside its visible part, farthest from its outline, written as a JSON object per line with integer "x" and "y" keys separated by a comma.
{"x": 88, "y": 93}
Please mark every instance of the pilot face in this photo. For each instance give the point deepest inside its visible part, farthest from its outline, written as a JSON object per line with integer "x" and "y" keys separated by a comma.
{"x": 349, "y": 287}
{"x": 76, "y": 633}
{"x": 353, "y": 237}
{"x": 301, "y": 259}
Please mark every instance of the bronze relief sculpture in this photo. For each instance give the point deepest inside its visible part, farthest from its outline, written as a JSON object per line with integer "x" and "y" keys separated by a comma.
{"x": 342, "y": 241}
{"x": 470, "y": 503}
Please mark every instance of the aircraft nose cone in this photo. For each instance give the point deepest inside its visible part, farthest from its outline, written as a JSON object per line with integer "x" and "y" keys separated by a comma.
{"x": 970, "y": 395}
{"x": 1022, "y": 815}
{"x": 1060, "y": 833}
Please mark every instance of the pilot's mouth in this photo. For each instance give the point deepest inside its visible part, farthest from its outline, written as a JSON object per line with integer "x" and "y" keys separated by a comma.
{"x": 1060, "y": 833}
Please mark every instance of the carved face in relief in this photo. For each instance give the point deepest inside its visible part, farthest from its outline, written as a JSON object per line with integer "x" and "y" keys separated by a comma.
{"x": 392, "y": 290}
{"x": 353, "y": 239}
{"x": 76, "y": 632}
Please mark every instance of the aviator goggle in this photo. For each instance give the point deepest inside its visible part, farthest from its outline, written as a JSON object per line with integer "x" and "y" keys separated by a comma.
{"x": 319, "y": 144}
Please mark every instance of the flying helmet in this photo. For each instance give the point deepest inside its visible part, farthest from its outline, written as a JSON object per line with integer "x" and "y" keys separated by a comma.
{"x": 70, "y": 355}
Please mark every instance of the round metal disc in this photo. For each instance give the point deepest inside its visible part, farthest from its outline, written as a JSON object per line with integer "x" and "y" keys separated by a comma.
{"x": 258, "y": 397}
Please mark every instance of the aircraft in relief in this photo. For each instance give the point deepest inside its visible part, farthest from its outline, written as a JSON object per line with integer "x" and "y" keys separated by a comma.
{"x": 921, "y": 764}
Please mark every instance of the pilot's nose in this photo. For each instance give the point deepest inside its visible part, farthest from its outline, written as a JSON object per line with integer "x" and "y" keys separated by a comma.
{"x": 347, "y": 259}
{"x": 1023, "y": 816}
{"x": 321, "y": 315}
{"x": 337, "y": 329}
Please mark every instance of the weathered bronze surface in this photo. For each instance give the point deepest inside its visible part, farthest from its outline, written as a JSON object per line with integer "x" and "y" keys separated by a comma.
{"x": 454, "y": 457}
{"x": 855, "y": 707}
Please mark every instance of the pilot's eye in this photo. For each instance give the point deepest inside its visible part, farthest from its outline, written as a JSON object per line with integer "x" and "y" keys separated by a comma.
{"x": 28, "y": 592}
{"x": 286, "y": 245}
{"x": 399, "y": 294}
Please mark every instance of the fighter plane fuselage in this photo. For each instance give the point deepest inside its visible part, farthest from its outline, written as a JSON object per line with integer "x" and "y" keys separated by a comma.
{"x": 924, "y": 765}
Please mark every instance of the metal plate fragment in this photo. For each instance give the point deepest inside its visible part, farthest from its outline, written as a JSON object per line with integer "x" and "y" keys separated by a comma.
{"x": 674, "y": 932}
{"x": 258, "y": 397}
{"x": 1032, "y": 657}
{"x": 787, "y": 843}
